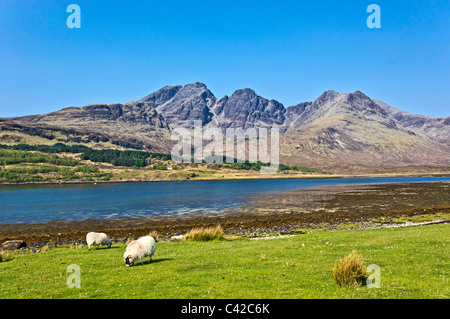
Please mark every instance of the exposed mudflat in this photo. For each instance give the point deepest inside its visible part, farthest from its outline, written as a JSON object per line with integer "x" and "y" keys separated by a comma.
{"x": 281, "y": 212}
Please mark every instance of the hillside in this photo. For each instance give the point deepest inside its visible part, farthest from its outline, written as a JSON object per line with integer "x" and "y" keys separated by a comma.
{"x": 352, "y": 129}
{"x": 14, "y": 132}
{"x": 137, "y": 123}
{"x": 61, "y": 163}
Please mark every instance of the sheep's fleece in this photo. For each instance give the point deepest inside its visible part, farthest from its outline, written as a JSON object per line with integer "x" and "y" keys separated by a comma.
{"x": 97, "y": 239}
{"x": 138, "y": 249}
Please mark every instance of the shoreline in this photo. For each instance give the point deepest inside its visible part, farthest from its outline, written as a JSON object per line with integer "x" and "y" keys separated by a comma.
{"x": 286, "y": 212}
{"x": 361, "y": 176}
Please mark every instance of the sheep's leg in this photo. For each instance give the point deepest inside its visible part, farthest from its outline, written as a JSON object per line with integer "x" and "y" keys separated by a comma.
{"x": 98, "y": 246}
{"x": 89, "y": 247}
{"x": 150, "y": 259}
{"x": 142, "y": 261}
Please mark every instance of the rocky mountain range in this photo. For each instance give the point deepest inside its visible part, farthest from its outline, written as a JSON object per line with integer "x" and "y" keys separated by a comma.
{"x": 336, "y": 130}
{"x": 181, "y": 105}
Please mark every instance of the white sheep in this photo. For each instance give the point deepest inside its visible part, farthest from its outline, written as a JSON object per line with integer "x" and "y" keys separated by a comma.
{"x": 138, "y": 249}
{"x": 177, "y": 238}
{"x": 97, "y": 239}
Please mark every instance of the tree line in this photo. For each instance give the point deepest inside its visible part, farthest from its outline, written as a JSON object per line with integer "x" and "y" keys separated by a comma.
{"x": 127, "y": 158}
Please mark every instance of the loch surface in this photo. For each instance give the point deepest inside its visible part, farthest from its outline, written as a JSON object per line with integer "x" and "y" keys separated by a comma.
{"x": 43, "y": 203}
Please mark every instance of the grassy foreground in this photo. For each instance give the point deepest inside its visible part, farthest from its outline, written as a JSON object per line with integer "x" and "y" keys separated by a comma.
{"x": 414, "y": 263}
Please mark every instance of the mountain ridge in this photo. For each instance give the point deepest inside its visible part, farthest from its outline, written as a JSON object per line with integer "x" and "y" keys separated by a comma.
{"x": 336, "y": 128}
{"x": 245, "y": 108}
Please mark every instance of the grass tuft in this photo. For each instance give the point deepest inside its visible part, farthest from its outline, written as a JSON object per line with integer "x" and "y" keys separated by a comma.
{"x": 5, "y": 256}
{"x": 153, "y": 234}
{"x": 205, "y": 234}
{"x": 350, "y": 272}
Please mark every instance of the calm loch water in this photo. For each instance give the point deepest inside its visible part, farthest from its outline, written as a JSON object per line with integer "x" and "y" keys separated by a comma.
{"x": 36, "y": 204}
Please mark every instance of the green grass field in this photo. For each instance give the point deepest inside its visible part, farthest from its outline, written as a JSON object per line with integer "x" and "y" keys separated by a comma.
{"x": 414, "y": 263}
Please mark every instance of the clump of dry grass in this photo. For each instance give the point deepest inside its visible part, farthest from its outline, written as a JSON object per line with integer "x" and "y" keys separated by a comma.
{"x": 289, "y": 265}
{"x": 154, "y": 234}
{"x": 44, "y": 248}
{"x": 350, "y": 272}
{"x": 7, "y": 255}
{"x": 205, "y": 234}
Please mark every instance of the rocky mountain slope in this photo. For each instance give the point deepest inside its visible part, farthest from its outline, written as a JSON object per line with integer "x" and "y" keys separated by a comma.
{"x": 437, "y": 129}
{"x": 182, "y": 105}
{"x": 243, "y": 109}
{"x": 138, "y": 123}
{"x": 335, "y": 130}
{"x": 353, "y": 129}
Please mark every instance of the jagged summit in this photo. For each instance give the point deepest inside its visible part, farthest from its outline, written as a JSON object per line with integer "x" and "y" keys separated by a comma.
{"x": 162, "y": 95}
{"x": 181, "y": 105}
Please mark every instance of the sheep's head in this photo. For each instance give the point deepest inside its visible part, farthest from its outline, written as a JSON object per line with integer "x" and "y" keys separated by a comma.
{"x": 129, "y": 260}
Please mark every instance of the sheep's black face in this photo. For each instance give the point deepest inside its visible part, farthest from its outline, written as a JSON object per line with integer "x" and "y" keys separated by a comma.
{"x": 129, "y": 261}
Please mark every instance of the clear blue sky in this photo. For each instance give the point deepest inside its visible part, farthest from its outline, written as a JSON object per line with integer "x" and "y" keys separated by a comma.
{"x": 290, "y": 51}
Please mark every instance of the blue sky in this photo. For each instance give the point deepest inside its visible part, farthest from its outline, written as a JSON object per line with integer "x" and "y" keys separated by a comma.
{"x": 291, "y": 51}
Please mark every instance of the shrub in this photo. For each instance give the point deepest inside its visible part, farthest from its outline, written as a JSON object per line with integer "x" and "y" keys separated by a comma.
{"x": 205, "y": 234}
{"x": 86, "y": 169}
{"x": 48, "y": 169}
{"x": 350, "y": 272}
{"x": 139, "y": 162}
{"x": 283, "y": 167}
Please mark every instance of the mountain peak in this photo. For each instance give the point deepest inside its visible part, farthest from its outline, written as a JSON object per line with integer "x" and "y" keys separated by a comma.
{"x": 246, "y": 91}
{"x": 162, "y": 95}
{"x": 198, "y": 85}
{"x": 329, "y": 94}
{"x": 182, "y": 105}
{"x": 359, "y": 94}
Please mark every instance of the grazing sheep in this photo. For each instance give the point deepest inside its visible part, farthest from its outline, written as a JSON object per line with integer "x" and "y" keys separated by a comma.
{"x": 97, "y": 239}
{"x": 138, "y": 249}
